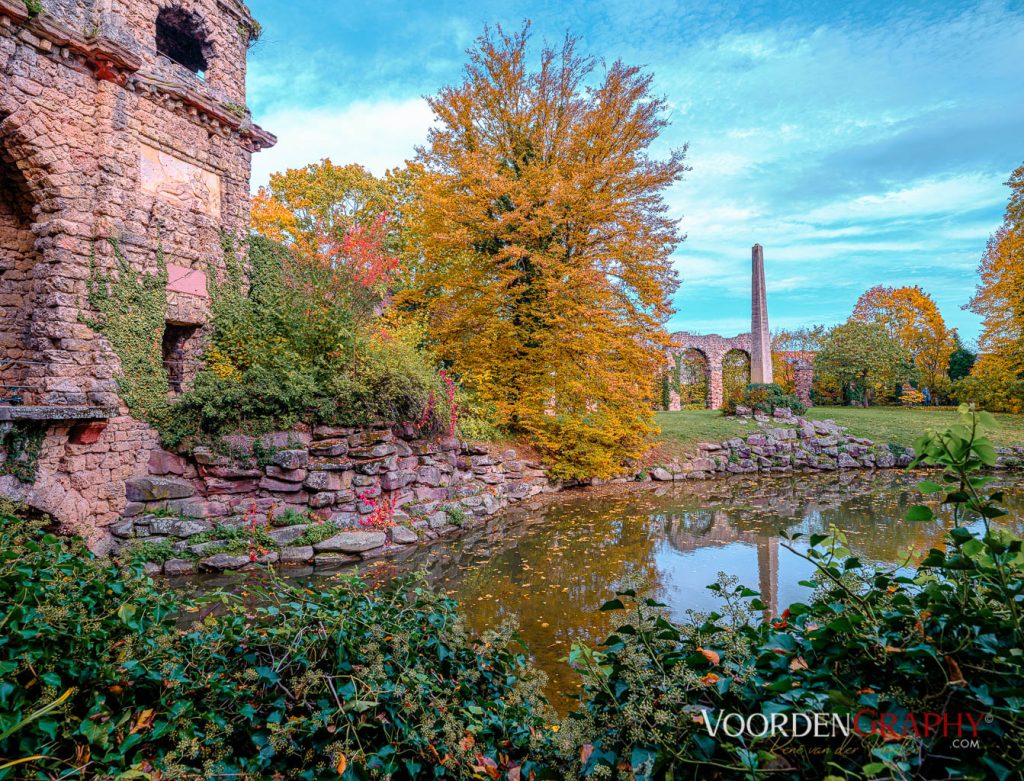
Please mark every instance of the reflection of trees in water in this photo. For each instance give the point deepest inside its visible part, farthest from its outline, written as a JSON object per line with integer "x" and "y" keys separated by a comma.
{"x": 555, "y": 564}
{"x": 553, "y": 574}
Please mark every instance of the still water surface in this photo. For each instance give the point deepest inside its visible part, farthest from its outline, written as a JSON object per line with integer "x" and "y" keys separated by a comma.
{"x": 549, "y": 565}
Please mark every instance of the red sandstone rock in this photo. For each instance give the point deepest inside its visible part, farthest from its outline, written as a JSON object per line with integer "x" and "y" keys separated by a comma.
{"x": 163, "y": 463}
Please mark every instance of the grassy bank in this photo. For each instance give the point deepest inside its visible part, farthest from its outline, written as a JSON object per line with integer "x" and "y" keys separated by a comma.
{"x": 681, "y": 431}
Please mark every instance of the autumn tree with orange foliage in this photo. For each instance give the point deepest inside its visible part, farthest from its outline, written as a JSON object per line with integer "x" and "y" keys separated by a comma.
{"x": 910, "y": 316}
{"x": 544, "y": 245}
{"x": 997, "y": 379}
{"x": 323, "y": 205}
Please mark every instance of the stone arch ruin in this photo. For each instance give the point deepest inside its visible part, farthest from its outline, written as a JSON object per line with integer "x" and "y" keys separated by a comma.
{"x": 103, "y": 136}
{"x": 714, "y": 348}
{"x": 756, "y": 344}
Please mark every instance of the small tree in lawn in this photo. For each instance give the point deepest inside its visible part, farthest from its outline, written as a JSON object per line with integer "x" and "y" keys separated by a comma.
{"x": 911, "y": 317}
{"x": 865, "y": 361}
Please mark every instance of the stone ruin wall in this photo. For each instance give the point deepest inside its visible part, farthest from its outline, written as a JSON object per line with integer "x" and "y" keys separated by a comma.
{"x": 331, "y": 474}
{"x": 713, "y": 348}
{"x": 102, "y": 136}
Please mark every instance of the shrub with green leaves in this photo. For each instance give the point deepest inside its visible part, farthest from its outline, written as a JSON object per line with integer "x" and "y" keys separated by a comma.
{"x": 764, "y": 397}
{"x": 945, "y": 638}
{"x": 285, "y": 348}
{"x": 97, "y": 679}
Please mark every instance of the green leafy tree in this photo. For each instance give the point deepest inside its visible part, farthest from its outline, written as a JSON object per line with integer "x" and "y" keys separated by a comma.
{"x": 961, "y": 361}
{"x": 865, "y": 361}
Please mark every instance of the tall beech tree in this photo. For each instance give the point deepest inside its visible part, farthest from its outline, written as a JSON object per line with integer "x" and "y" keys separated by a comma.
{"x": 544, "y": 246}
{"x": 911, "y": 317}
{"x": 999, "y": 298}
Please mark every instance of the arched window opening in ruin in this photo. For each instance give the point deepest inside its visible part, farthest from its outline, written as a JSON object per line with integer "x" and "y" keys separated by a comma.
{"x": 181, "y": 36}
{"x": 18, "y": 258}
{"x": 735, "y": 373}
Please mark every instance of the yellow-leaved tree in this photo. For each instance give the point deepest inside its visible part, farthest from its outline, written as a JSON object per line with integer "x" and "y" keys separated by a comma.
{"x": 999, "y": 298}
{"x": 303, "y": 208}
{"x": 910, "y": 316}
{"x": 544, "y": 245}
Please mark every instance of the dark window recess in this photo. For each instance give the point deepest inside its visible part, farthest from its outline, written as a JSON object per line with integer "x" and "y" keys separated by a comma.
{"x": 175, "y": 339}
{"x": 181, "y": 35}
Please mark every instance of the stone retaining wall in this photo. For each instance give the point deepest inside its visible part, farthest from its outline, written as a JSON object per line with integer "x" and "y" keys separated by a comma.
{"x": 321, "y": 497}
{"x": 315, "y": 497}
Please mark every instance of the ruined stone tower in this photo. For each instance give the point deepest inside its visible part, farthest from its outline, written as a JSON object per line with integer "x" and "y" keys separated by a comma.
{"x": 120, "y": 119}
{"x": 760, "y": 338}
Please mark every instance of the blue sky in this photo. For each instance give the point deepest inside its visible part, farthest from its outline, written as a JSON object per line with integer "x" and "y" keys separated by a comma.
{"x": 859, "y": 142}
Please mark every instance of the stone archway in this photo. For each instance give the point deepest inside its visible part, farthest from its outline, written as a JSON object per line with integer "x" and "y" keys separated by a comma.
{"x": 689, "y": 378}
{"x": 18, "y": 259}
{"x": 735, "y": 372}
{"x": 38, "y": 310}
{"x": 714, "y": 348}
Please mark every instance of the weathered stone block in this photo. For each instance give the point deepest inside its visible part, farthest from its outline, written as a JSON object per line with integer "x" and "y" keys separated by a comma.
{"x": 179, "y": 527}
{"x": 290, "y": 459}
{"x": 331, "y": 432}
{"x": 377, "y": 451}
{"x": 392, "y": 481}
{"x": 296, "y": 555}
{"x": 154, "y": 489}
{"x": 428, "y": 475}
{"x": 123, "y": 528}
{"x": 322, "y": 499}
{"x": 403, "y": 535}
{"x": 163, "y": 463}
{"x": 333, "y": 559}
{"x": 351, "y": 542}
{"x": 231, "y": 472}
{"x": 318, "y": 480}
{"x": 216, "y": 485}
{"x": 291, "y": 475}
{"x": 223, "y": 561}
{"x": 279, "y": 486}
{"x": 331, "y": 448}
{"x": 288, "y": 534}
{"x": 178, "y": 567}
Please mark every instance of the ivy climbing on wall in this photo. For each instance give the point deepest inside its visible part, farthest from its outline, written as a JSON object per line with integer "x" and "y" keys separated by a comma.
{"x": 132, "y": 306}
{"x": 21, "y": 443}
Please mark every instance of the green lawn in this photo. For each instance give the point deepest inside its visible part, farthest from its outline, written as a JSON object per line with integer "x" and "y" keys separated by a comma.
{"x": 681, "y": 431}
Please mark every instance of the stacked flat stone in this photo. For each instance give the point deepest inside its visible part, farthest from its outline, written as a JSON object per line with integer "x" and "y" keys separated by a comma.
{"x": 333, "y": 474}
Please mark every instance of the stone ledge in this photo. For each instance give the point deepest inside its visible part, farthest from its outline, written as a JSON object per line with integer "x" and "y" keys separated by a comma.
{"x": 56, "y": 413}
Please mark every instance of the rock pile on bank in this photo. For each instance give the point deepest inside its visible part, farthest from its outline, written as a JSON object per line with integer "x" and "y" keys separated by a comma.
{"x": 785, "y": 443}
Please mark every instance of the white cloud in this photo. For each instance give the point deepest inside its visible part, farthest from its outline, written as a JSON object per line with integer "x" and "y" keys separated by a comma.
{"x": 378, "y": 135}
{"x": 949, "y": 195}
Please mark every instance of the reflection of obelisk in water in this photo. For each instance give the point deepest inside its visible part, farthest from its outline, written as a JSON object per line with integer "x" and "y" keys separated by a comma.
{"x": 768, "y": 574}
{"x": 760, "y": 339}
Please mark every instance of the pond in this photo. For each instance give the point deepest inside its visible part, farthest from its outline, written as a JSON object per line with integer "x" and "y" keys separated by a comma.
{"x": 549, "y": 565}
